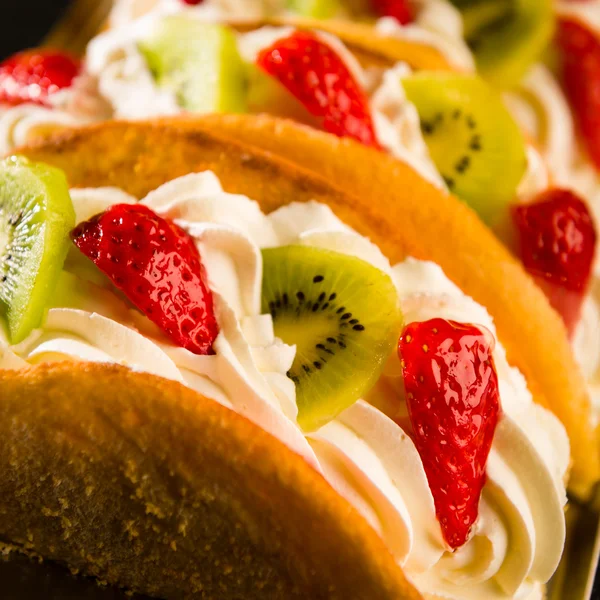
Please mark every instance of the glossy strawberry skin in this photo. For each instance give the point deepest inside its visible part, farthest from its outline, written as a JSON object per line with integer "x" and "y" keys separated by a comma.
{"x": 580, "y": 53}
{"x": 192, "y": 2}
{"x": 314, "y": 74}
{"x": 557, "y": 244}
{"x": 157, "y": 266}
{"x": 398, "y": 9}
{"x": 31, "y": 76}
{"x": 453, "y": 403}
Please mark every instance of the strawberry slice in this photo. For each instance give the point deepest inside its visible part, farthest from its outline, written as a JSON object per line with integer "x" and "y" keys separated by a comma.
{"x": 454, "y": 405}
{"x": 33, "y": 75}
{"x": 580, "y": 50}
{"x": 398, "y": 9}
{"x": 158, "y": 267}
{"x": 557, "y": 244}
{"x": 318, "y": 77}
{"x": 192, "y": 2}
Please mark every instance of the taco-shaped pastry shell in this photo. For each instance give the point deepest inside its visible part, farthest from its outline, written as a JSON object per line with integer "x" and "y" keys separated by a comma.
{"x": 532, "y": 333}
{"x": 144, "y": 483}
{"x": 380, "y": 197}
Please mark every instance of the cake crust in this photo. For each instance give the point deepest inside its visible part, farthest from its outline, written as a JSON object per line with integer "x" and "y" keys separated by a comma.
{"x": 154, "y": 488}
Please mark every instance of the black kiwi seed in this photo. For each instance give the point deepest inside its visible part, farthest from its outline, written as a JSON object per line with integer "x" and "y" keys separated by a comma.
{"x": 283, "y": 305}
{"x": 449, "y": 182}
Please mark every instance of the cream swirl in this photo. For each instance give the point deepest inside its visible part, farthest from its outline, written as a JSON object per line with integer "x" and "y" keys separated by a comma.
{"x": 365, "y": 455}
{"x": 71, "y": 107}
{"x": 125, "y": 11}
{"x": 438, "y": 24}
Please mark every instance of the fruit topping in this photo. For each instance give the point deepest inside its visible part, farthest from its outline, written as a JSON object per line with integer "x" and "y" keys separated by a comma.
{"x": 36, "y": 215}
{"x": 199, "y": 62}
{"x": 341, "y": 313}
{"x": 33, "y": 75}
{"x": 158, "y": 267}
{"x": 398, "y": 9}
{"x": 267, "y": 95}
{"x": 580, "y": 54}
{"x": 474, "y": 142}
{"x": 506, "y": 37}
{"x": 557, "y": 244}
{"x": 319, "y": 78}
{"x": 192, "y": 2}
{"x": 453, "y": 403}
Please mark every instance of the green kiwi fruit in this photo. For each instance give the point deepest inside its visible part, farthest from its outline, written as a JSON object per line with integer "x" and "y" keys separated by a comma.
{"x": 474, "y": 142}
{"x": 317, "y": 9}
{"x": 36, "y": 216}
{"x": 198, "y": 61}
{"x": 507, "y": 36}
{"x": 343, "y": 316}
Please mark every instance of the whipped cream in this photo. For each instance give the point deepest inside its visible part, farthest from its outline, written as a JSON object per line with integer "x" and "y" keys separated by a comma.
{"x": 364, "y": 454}
{"x": 438, "y": 24}
{"x": 71, "y": 107}
{"x": 125, "y": 11}
{"x": 586, "y": 11}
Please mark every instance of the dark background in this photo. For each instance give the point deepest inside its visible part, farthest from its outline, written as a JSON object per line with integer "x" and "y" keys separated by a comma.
{"x": 23, "y": 24}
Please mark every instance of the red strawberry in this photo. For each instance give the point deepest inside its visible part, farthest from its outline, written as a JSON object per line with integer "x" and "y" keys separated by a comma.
{"x": 399, "y": 9}
{"x": 316, "y": 75}
{"x": 192, "y": 2}
{"x": 453, "y": 404}
{"x": 581, "y": 78}
{"x": 157, "y": 265}
{"x": 33, "y": 75}
{"x": 557, "y": 244}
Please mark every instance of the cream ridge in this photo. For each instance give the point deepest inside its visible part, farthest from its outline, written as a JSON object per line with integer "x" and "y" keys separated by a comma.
{"x": 366, "y": 456}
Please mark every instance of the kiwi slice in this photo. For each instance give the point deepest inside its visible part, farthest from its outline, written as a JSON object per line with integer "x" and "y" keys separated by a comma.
{"x": 199, "y": 61}
{"x": 507, "y": 36}
{"x": 317, "y": 9}
{"x": 341, "y": 313}
{"x": 36, "y": 216}
{"x": 476, "y": 145}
